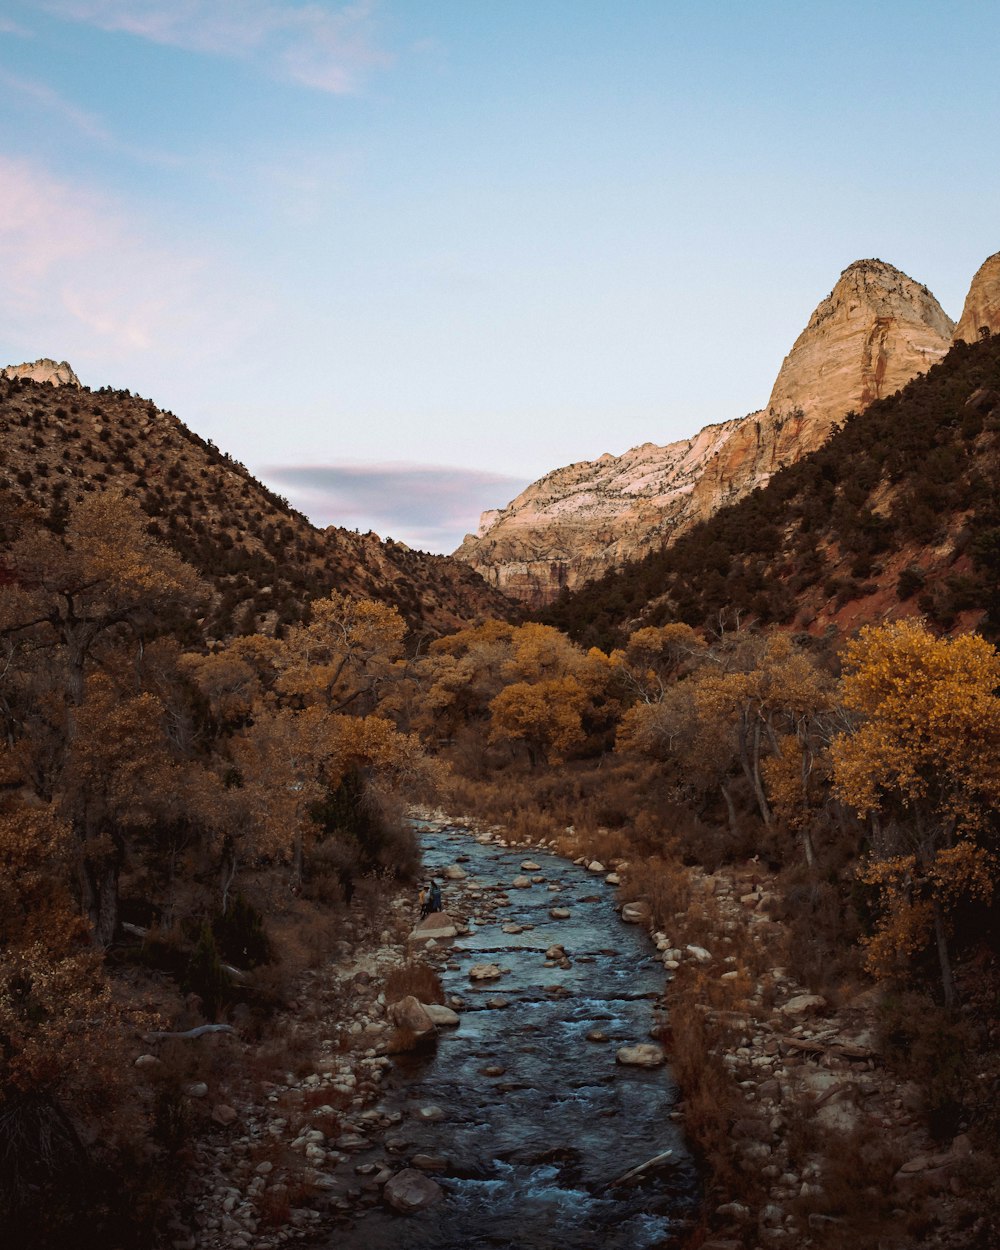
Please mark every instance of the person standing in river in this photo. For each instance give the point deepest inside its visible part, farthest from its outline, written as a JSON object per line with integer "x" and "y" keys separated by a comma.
{"x": 435, "y": 899}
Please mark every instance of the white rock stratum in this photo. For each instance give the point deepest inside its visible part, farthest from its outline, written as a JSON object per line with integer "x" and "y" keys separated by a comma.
{"x": 875, "y": 331}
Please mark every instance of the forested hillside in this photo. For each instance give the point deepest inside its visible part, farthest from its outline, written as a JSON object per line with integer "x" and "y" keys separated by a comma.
{"x": 263, "y": 560}
{"x": 896, "y": 514}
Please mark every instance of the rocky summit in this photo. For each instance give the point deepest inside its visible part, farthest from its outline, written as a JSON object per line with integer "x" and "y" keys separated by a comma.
{"x": 982, "y": 304}
{"x": 875, "y": 331}
{"x": 55, "y": 372}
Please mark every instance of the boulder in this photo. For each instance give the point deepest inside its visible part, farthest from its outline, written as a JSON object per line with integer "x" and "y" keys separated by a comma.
{"x": 521, "y": 883}
{"x": 804, "y": 1005}
{"x": 410, "y": 1013}
{"x": 437, "y": 927}
{"x": 485, "y": 972}
{"x": 411, "y": 1190}
{"x": 442, "y": 1015}
{"x": 638, "y": 912}
{"x": 643, "y": 1055}
{"x": 454, "y": 873}
{"x": 613, "y": 879}
{"x": 559, "y": 913}
{"x": 529, "y": 865}
{"x": 699, "y": 953}
{"x": 556, "y": 952}
{"x": 223, "y": 1114}
{"x": 595, "y": 865}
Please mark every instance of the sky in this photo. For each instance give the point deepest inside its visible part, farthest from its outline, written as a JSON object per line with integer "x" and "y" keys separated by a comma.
{"x": 402, "y": 257}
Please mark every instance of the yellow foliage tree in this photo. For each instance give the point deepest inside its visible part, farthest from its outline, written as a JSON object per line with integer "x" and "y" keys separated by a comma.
{"x": 547, "y": 716}
{"x": 924, "y": 765}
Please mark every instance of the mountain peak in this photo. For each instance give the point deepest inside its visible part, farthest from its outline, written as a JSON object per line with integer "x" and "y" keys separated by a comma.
{"x": 56, "y": 373}
{"x": 982, "y": 304}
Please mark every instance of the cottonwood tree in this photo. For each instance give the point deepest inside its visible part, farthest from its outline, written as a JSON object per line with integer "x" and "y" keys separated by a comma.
{"x": 923, "y": 766}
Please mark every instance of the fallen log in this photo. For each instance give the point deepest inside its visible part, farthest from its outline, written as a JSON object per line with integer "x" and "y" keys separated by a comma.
{"x": 844, "y": 1049}
{"x": 190, "y": 1034}
{"x": 632, "y": 1173}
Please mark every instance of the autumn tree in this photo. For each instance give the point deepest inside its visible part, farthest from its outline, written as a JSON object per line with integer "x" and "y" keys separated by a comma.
{"x": 923, "y": 766}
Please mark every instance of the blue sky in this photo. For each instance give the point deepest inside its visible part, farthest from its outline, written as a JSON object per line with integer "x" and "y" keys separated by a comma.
{"x": 403, "y": 256}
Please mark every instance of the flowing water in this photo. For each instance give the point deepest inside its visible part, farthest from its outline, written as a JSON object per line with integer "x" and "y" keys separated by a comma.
{"x": 530, "y": 1151}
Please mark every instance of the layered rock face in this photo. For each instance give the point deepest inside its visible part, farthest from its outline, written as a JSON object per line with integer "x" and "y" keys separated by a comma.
{"x": 876, "y": 330}
{"x": 982, "y": 304}
{"x": 57, "y": 373}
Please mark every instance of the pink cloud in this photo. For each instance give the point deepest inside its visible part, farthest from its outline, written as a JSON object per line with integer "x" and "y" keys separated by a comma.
{"x": 86, "y": 282}
{"x": 311, "y": 44}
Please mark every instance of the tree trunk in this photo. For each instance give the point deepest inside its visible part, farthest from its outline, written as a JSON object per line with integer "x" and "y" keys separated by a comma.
{"x": 751, "y": 769}
{"x": 730, "y": 808}
{"x": 100, "y": 882}
{"x": 947, "y": 981}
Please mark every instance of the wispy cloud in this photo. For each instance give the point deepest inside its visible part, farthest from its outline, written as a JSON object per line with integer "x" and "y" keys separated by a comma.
{"x": 84, "y": 281}
{"x": 81, "y": 120}
{"x": 7, "y": 27}
{"x": 427, "y": 506}
{"x": 327, "y": 48}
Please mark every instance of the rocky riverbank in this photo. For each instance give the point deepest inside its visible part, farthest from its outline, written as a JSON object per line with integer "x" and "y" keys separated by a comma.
{"x": 287, "y": 1156}
{"x": 820, "y": 1143}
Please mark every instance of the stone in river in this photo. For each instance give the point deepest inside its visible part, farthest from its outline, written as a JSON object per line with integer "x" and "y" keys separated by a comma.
{"x": 410, "y": 1191}
{"x": 595, "y": 865}
{"x": 441, "y": 1015}
{"x": 438, "y": 926}
{"x": 454, "y": 873}
{"x": 521, "y": 883}
{"x": 638, "y": 912}
{"x": 493, "y": 1069}
{"x": 484, "y": 972}
{"x": 429, "y": 1163}
{"x": 529, "y": 865}
{"x": 429, "y": 1114}
{"x": 498, "y": 1002}
{"x": 643, "y": 1055}
{"x": 559, "y": 913}
{"x": 613, "y": 879}
{"x": 410, "y": 1013}
{"x": 597, "y": 1035}
{"x": 512, "y": 928}
{"x": 556, "y": 952}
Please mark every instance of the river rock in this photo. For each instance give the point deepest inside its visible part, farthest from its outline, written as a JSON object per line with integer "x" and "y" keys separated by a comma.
{"x": 595, "y": 865}
{"x": 147, "y": 1061}
{"x": 429, "y": 1163}
{"x": 643, "y": 1055}
{"x": 613, "y": 879}
{"x": 556, "y": 952}
{"x": 804, "y": 1004}
{"x": 430, "y": 1114}
{"x": 559, "y": 913}
{"x": 638, "y": 912}
{"x": 485, "y": 972}
{"x": 511, "y": 928}
{"x": 442, "y": 1015}
{"x": 699, "y": 953}
{"x": 410, "y": 1190}
{"x": 454, "y": 873}
{"x": 597, "y": 1035}
{"x": 437, "y": 927}
{"x": 529, "y": 865}
{"x": 521, "y": 883}
{"x": 410, "y": 1013}
{"x": 497, "y": 1003}
{"x": 223, "y": 1114}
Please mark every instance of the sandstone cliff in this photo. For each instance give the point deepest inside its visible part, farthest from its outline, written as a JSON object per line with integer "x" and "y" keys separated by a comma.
{"x": 57, "y": 373}
{"x": 982, "y": 304}
{"x": 876, "y": 330}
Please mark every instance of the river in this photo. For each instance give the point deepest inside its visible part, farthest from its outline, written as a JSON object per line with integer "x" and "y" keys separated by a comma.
{"x": 537, "y": 1120}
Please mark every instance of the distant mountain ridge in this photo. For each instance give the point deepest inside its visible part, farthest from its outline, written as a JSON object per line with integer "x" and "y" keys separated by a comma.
{"x": 264, "y": 559}
{"x": 877, "y": 329}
